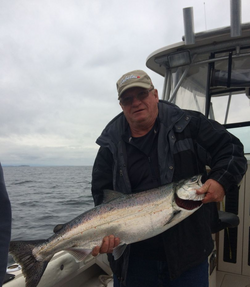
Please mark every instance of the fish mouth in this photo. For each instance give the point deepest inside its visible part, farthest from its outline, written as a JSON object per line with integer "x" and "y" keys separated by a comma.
{"x": 187, "y": 204}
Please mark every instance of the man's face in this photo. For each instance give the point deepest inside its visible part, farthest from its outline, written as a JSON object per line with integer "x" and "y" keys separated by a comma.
{"x": 140, "y": 109}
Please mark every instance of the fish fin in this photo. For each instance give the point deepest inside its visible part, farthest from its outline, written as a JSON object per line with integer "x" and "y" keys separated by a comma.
{"x": 88, "y": 257}
{"x": 31, "y": 268}
{"x": 58, "y": 227}
{"x": 118, "y": 251}
{"x": 109, "y": 195}
{"x": 172, "y": 216}
{"x": 79, "y": 254}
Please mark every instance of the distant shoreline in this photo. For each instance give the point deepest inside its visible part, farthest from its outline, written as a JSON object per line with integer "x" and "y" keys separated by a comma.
{"x": 22, "y": 165}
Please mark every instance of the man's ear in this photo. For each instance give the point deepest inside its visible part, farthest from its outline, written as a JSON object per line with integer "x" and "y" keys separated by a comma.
{"x": 121, "y": 105}
{"x": 156, "y": 94}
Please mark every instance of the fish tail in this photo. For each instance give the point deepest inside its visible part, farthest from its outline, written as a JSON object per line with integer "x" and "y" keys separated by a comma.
{"x": 32, "y": 268}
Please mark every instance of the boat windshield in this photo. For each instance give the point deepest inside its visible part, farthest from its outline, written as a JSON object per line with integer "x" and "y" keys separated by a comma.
{"x": 227, "y": 84}
{"x": 191, "y": 94}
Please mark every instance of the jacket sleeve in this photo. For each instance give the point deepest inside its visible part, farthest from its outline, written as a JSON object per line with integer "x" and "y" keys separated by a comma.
{"x": 224, "y": 153}
{"x": 102, "y": 174}
{"x": 5, "y": 226}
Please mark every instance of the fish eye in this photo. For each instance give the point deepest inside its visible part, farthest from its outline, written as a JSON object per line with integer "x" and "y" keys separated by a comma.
{"x": 194, "y": 178}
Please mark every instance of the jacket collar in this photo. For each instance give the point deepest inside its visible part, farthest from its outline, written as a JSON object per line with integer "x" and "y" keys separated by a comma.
{"x": 169, "y": 116}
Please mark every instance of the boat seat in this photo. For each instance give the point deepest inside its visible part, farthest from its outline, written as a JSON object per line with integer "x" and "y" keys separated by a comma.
{"x": 225, "y": 220}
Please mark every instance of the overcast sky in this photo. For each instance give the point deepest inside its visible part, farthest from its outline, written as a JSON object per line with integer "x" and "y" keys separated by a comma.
{"x": 60, "y": 60}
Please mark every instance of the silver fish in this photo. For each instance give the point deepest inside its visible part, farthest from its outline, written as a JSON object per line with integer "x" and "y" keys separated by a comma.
{"x": 132, "y": 218}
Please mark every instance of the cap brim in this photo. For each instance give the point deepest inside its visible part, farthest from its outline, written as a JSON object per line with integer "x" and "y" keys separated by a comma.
{"x": 134, "y": 85}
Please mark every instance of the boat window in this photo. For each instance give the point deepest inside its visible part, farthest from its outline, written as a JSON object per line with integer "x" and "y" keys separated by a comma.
{"x": 237, "y": 112}
{"x": 192, "y": 91}
{"x": 242, "y": 133}
{"x": 238, "y": 108}
{"x": 230, "y": 94}
{"x": 231, "y": 72}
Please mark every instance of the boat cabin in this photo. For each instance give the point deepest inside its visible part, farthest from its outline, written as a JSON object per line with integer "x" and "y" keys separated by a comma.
{"x": 209, "y": 72}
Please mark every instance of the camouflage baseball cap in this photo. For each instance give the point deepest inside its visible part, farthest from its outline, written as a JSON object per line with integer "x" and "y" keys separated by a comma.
{"x": 137, "y": 78}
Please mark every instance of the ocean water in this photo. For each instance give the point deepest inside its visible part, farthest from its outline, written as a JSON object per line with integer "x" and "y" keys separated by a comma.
{"x": 42, "y": 197}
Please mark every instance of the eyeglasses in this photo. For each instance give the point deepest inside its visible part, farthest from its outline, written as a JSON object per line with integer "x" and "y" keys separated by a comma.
{"x": 127, "y": 101}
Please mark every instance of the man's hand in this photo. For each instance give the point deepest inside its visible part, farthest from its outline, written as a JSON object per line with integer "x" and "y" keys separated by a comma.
{"x": 108, "y": 244}
{"x": 214, "y": 192}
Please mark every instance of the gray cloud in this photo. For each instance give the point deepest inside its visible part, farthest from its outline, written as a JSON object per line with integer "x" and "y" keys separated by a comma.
{"x": 60, "y": 61}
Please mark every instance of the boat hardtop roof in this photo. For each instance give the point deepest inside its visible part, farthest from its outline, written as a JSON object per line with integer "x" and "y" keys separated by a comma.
{"x": 214, "y": 40}
{"x": 209, "y": 72}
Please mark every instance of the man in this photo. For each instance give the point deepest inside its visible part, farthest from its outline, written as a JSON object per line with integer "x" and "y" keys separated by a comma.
{"x": 152, "y": 143}
{"x": 5, "y": 227}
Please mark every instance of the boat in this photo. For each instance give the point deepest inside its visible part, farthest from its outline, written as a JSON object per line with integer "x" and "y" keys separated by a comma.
{"x": 208, "y": 72}
{"x": 64, "y": 271}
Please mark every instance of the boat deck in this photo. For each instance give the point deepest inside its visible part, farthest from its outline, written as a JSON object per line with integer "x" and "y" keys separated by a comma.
{"x": 224, "y": 279}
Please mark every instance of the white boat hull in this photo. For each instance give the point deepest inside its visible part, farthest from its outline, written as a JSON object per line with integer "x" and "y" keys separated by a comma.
{"x": 64, "y": 271}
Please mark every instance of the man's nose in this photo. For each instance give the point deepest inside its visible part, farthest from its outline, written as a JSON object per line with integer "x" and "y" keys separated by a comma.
{"x": 136, "y": 101}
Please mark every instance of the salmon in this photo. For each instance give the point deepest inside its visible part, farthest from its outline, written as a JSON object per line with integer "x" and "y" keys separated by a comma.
{"x": 131, "y": 217}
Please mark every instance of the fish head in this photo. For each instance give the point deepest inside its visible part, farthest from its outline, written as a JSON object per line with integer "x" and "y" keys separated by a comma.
{"x": 185, "y": 196}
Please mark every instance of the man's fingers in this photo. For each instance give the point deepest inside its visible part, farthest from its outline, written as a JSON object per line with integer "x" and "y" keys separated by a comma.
{"x": 111, "y": 244}
{"x": 214, "y": 192}
{"x": 108, "y": 245}
{"x": 105, "y": 245}
{"x": 208, "y": 198}
{"x": 117, "y": 241}
{"x": 96, "y": 251}
{"x": 203, "y": 189}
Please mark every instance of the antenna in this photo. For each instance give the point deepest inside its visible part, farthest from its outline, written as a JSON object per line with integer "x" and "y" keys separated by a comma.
{"x": 205, "y": 18}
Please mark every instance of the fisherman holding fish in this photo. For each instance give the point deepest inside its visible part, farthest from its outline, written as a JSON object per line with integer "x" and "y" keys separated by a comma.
{"x": 147, "y": 187}
{"x": 150, "y": 144}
